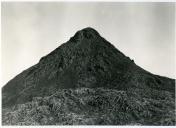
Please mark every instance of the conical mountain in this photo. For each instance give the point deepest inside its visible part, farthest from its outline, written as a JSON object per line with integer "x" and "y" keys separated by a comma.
{"x": 87, "y": 60}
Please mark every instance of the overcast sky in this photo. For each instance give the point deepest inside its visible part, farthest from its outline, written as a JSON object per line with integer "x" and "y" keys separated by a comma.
{"x": 142, "y": 31}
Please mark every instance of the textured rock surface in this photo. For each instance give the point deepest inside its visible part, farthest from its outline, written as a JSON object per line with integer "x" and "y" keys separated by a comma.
{"x": 95, "y": 106}
{"x": 86, "y": 61}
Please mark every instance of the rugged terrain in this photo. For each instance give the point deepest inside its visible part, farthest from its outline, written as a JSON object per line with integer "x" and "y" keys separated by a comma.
{"x": 88, "y": 81}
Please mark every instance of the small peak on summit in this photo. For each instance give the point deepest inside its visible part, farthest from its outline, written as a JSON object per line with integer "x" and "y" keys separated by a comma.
{"x": 87, "y": 32}
{"x": 90, "y": 30}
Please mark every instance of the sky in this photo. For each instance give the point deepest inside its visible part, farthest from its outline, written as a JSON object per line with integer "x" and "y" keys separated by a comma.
{"x": 143, "y": 31}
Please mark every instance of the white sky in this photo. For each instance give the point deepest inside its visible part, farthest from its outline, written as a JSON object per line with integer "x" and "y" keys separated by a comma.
{"x": 143, "y": 31}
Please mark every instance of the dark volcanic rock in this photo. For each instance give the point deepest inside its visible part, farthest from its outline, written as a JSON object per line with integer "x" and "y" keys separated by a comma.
{"x": 86, "y": 61}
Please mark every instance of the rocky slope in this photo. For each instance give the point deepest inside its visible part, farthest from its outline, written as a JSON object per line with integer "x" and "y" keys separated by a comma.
{"x": 87, "y": 60}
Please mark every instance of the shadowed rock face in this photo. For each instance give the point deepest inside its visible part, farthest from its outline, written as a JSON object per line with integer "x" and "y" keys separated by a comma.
{"x": 87, "y": 60}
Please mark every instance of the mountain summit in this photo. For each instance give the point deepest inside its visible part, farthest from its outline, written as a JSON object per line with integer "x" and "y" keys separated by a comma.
{"x": 87, "y": 33}
{"x": 86, "y": 65}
